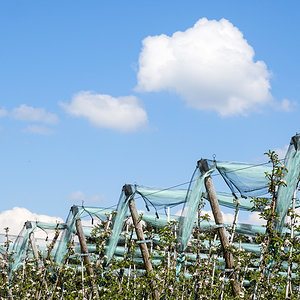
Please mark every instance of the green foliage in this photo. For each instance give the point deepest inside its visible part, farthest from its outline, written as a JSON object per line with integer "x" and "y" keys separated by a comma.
{"x": 202, "y": 276}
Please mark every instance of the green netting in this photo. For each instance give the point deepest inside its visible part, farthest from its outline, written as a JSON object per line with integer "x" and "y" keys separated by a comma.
{"x": 158, "y": 222}
{"x": 186, "y": 221}
{"x": 2, "y": 251}
{"x": 285, "y": 193}
{"x": 152, "y": 196}
{"x": 20, "y": 245}
{"x": 66, "y": 237}
{"x": 164, "y": 197}
{"x": 245, "y": 179}
{"x": 242, "y": 228}
{"x": 157, "y": 256}
{"x": 161, "y": 197}
{"x": 75, "y": 213}
{"x": 228, "y": 200}
{"x": 117, "y": 225}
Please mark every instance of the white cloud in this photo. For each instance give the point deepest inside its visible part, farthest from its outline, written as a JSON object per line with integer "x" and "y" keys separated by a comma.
{"x": 122, "y": 113}
{"x": 32, "y": 114}
{"x": 76, "y": 196}
{"x": 211, "y": 66}
{"x": 38, "y": 130}
{"x": 254, "y": 218}
{"x": 286, "y": 105}
{"x": 3, "y": 112}
{"x": 15, "y": 218}
{"x": 228, "y": 218}
{"x": 281, "y": 152}
{"x": 79, "y": 196}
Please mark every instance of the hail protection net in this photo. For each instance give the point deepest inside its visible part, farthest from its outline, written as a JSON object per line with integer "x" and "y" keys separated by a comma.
{"x": 190, "y": 208}
{"x": 29, "y": 237}
{"x": 161, "y": 198}
{"x": 228, "y": 200}
{"x": 20, "y": 246}
{"x": 244, "y": 181}
{"x": 152, "y": 197}
{"x": 70, "y": 230}
{"x": 122, "y": 210}
{"x": 286, "y": 192}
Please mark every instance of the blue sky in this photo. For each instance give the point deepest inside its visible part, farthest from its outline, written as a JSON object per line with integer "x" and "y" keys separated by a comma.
{"x": 225, "y": 87}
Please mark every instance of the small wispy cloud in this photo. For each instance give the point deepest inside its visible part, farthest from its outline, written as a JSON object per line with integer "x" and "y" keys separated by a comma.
{"x": 3, "y": 112}
{"x": 281, "y": 152}
{"x": 79, "y": 197}
{"x": 286, "y": 105}
{"x": 33, "y": 114}
{"x": 37, "y": 129}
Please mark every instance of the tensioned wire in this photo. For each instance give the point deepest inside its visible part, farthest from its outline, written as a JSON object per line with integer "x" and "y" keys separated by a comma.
{"x": 193, "y": 180}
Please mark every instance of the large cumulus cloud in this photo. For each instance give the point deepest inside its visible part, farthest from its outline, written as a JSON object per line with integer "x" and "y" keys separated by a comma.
{"x": 211, "y": 66}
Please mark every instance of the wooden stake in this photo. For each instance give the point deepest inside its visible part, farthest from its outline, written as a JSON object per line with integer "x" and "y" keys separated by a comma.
{"x": 214, "y": 264}
{"x": 289, "y": 271}
{"x": 34, "y": 247}
{"x": 105, "y": 229}
{"x": 107, "y": 223}
{"x": 28, "y": 225}
{"x": 83, "y": 247}
{"x": 234, "y": 222}
{"x": 140, "y": 235}
{"x": 82, "y": 241}
{"x": 51, "y": 246}
{"x": 203, "y": 166}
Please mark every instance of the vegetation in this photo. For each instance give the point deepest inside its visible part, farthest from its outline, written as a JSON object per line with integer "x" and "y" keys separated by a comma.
{"x": 200, "y": 274}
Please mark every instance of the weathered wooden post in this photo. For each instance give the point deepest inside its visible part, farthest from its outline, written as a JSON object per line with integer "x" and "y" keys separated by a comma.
{"x": 213, "y": 200}
{"x": 34, "y": 248}
{"x": 51, "y": 246}
{"x": 82, "y": 241}
{"x": 140, "y": 235}
{"x": 28, "y": 225}
{"x": 290, "y": 265}
{"x": 83, "y": 246}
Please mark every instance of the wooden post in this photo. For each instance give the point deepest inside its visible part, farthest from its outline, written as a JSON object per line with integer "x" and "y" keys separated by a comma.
{"x": 289, "y": 270}
{"x": 34, "y": 247}
{"x": 28, "y": 225}
{"x": 51, "y": 246}
{"x": 140, "y": 235}
{"x": 107, "y": 223}
{"x": 203, "y": 166}
{"x": 105, "y": 229}
{"x": 82, "y": 241}
{"x": 83, "y": 246}
{"x": 234, "y": 221}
